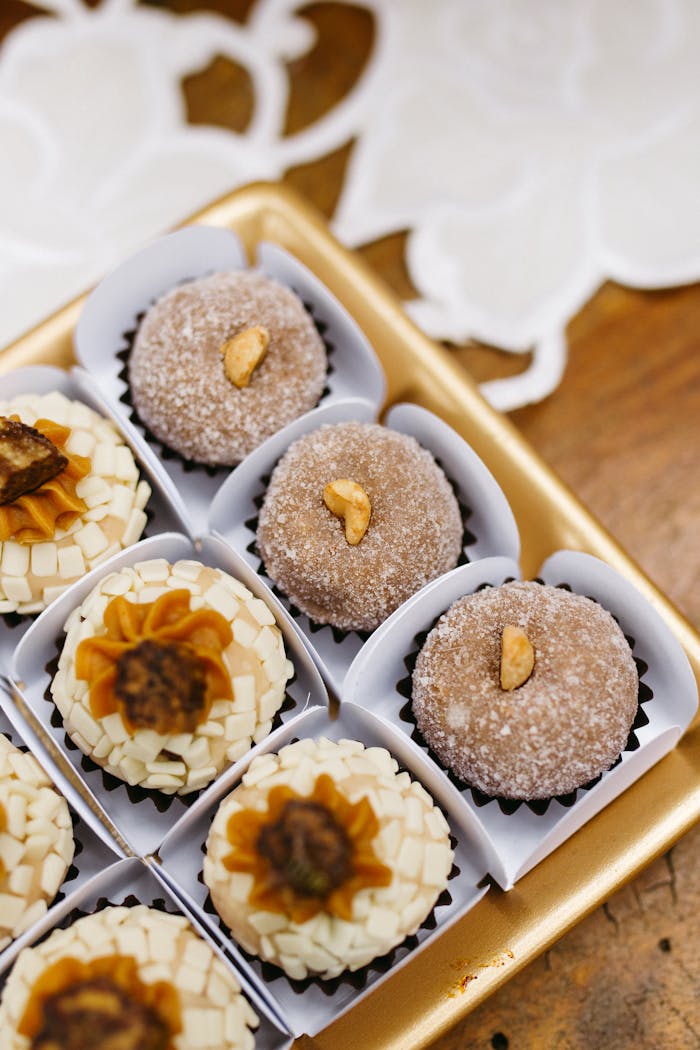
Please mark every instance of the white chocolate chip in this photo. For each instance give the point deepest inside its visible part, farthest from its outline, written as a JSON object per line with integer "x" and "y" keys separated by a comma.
{"x": 140, "y": 757}
{"x": 91, "y": 540}
{"x": 15, "y": 559}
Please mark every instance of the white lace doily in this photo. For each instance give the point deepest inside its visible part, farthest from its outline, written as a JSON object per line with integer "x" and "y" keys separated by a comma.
{"x": 533, "y": 149}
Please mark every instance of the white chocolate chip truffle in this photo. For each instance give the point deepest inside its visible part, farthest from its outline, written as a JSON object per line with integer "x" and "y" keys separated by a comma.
{"x": 34, "y": 571}
{"x": 410, "y": 842}
{"x": 152, "y": 748}
{"x": 203, "y": 1005}
{"x": 36, "y": 841}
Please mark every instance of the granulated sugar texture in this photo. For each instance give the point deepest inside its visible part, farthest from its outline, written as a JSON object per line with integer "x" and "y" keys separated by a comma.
{"x": 565, "y": 725}
{"x": 414, "y": 533}
{"x": 177, "y": 376}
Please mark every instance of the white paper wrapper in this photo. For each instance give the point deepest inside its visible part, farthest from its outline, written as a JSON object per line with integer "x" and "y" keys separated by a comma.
{"x": 310, "y": 1005}
{"x": 144, "y": 817}
{"x": 163, "y": 507}
{"x": 92, "y": 853}
{"x": 523, "y": 834}
{"x": 131, "y": 882}
{"x": 490, "y": 527}
{"x": 114, "y": 307}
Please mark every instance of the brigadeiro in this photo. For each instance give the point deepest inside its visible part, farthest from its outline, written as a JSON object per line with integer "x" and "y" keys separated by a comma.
{"x": 356, "y": 518}
{"x": 169, "y": 672}
{"x": 70, "y": 497}
{"x": 129, "y": 977}
{"x": 222, "y": 362}
{"x": 326, "y": 857}
{"x": 526, "y": 691}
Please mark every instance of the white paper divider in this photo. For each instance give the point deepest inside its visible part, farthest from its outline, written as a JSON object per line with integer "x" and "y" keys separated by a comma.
{"x": 112, "y": 309}
{"x": 93, "y": 853}
{"x": 491, "y": 520}
{"x": 128, "y": 882}
{"x": 9, "y": 695}
{"x": 142, "y": 823}
{"x": 161, "y": 482}
{"x": 12, "y": 629}
{"x": 164, "y": 504}
{"x": 353, "y": 358}
{"x": 520, "y": 839}
{"x": 181, "y": 858}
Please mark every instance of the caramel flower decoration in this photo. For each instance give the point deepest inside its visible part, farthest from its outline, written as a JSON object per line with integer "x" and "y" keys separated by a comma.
{"x": 55, "y": 504}
{"x": 307, "y": 854}
{"x": 159, "y": 664}
{"x": 72, "y": 997}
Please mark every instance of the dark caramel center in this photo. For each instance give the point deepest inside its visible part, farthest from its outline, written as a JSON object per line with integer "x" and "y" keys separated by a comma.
{"x": 162, "y": 686}
{"x": 308, "y": 848}
{"x": 96, "y": 1014}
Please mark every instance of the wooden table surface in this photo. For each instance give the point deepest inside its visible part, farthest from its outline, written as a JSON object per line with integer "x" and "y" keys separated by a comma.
{"x": 623, "y": 430}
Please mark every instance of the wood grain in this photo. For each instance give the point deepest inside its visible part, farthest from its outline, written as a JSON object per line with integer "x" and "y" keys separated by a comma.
{"x": 623, "y": 430}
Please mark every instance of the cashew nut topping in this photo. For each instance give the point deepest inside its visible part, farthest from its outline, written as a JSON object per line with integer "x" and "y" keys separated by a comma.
{"x": 349, "y": 501}
{"x": 517, "y": 657}
{"x": 243, "y": 353}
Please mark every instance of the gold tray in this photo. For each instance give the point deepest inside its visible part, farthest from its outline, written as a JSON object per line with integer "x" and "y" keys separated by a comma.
{"x": 504, "y": 931}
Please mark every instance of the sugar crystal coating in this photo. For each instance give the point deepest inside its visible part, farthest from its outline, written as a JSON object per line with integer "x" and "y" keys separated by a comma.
{"x": 177, "y": 375}
{"x": 565, "y": 725}
{"x": 415, "y": 529}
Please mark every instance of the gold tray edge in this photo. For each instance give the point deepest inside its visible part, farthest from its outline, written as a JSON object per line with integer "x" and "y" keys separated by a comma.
{"x": 441, "y": 985}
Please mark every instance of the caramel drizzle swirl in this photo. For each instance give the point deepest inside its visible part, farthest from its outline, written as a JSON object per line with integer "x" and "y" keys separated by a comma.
{"x": 167, "y": 619}
{"x": 54, "y": 505}
{"x": 272, "y": 889}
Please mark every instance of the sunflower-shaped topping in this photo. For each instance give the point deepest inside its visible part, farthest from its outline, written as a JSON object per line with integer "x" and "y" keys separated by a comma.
{"x": 307, "y": 854}
{"x": 159, "y": 664}
{"x": 103, "y": 1003}
{"x": 38, "y": 479}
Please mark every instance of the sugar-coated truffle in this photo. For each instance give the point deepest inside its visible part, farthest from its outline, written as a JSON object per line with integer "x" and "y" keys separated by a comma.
{"x": 564, "y": 725}
{"x": 182, "y": 381}
{"x": 414, "y": 531}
